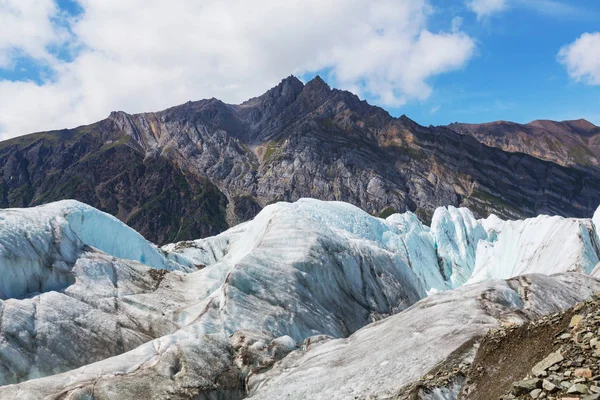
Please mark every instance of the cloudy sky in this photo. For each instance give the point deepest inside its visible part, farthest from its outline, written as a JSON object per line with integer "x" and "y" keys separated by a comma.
{"x": 65, "y": 63}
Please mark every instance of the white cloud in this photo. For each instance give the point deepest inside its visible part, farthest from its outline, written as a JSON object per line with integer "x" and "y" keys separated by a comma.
{"x": 549, "y": 8}
{"x": 434, "y": 109}
{"x": 485, "y": 8}
{"x": 28, "y": 28}
{"x": 456, "y": 24}
{"x": 554, "y": 8}
{"x": 582, "y": 58}
{"x": 141, "y": 55}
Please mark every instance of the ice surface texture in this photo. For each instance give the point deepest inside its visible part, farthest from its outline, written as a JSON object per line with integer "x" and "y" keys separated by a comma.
{"x": 40, "y": 245}
{"x": 87, "y": 305}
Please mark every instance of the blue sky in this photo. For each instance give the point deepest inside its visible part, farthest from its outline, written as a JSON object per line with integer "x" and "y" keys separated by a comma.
{"x": 514, "y": 74}
{"x": 71, "y": 62}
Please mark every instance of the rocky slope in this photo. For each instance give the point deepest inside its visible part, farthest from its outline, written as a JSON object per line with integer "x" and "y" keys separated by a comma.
{"x": 309, "y": 299}
{"x": 97, "y": 165}
{"x": 568, "y": 143}
{"x": 192, "y": 170}
{"x": 553, "y": 357}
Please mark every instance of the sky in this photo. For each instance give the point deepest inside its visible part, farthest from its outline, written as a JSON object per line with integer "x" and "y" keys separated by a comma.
{"x": 65, "y": 63}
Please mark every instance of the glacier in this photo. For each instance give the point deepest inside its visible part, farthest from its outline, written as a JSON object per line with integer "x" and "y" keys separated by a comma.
{"x": 456, "y": 234}
{"x": 88, "y": 305}
{"x": 544, "y": 244}
{"x": 382, "y": 358}
{"x": 40, "y": 245}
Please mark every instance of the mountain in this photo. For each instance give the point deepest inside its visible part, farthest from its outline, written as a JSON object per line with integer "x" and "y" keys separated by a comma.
{"x": 195, "y": 169}
{"x": 99, "y": 166}
{"x": 568, "y": 143}
{"x": 309, "y": 299}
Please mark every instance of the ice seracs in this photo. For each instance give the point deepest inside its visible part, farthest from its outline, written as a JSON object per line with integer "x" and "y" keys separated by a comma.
{"x": 420, "y": 248}
{"x": 295, "y": 271}
{"x": 471, "y": 250}
{"x": 304, "y": 269}
{"x": 311, "y": 279}
{"x": 546, "y": 245}
{"x": 38, "y": 246}
{"x": 456, "y": 234}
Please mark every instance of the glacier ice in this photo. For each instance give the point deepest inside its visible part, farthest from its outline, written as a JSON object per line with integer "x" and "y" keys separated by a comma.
{"x": 374, "y": 362}
{"x": 380, "y": 359}
{"x": 456, "y": 234}
{"x": 543, "y": 244}
{"x": 303, "y": 269}
{"x": 299, "y": 277}
{"x": 38, "y": 246}
{"x": 113, "y": 306}
{"x": 297, "y": 270}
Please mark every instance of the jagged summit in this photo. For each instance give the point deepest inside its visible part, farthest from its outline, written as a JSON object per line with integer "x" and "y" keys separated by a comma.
{"x": 318, "y": 84}
{"x": 193, "y": 170}
{"x": 286, "y": 91}
{"x": 291, "y": 80}
{"x": 288, "y": 88}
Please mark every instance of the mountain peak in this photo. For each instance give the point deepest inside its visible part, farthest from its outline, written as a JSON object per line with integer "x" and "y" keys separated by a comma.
{"x": 288, "y": 87}
{"x": 286, "y": 91}
{"x": 291, "y": 80}
{"x": 317, "y": 83}
{"x": 581, "y": 124}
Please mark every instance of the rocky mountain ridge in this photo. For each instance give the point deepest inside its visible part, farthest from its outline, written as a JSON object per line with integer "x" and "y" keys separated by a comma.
{"x": 569, "y": 143}
{"x": 193, "y": 170}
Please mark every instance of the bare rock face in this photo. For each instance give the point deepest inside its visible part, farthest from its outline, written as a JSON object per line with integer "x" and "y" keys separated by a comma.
{"x": 568, "y": 143}
{"x": 194, "y": 169}
{"x": 110, "y": 171}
